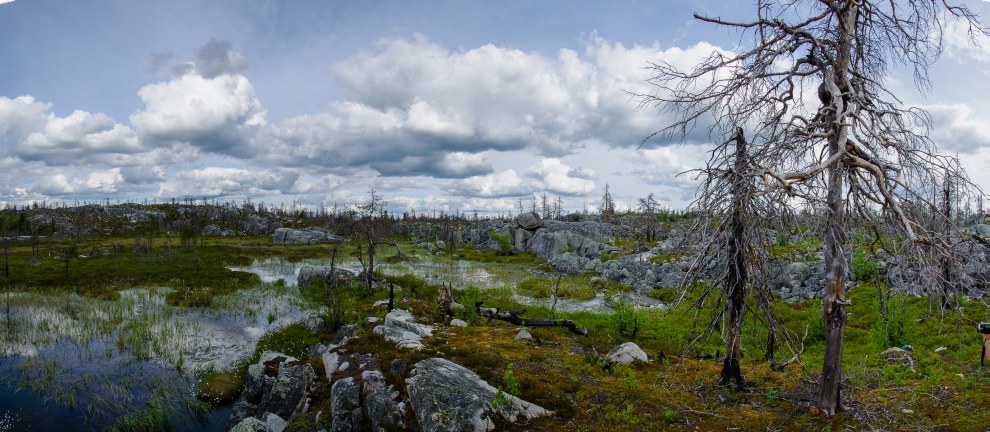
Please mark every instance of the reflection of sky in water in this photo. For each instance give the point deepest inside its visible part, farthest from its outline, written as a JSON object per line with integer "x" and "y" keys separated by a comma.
{"x": 440, "y": 269}
{"x": 88, "y": 361}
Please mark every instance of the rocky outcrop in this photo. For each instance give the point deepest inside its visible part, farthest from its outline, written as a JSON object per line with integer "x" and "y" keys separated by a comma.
{"x": 449, "y": 397}
{"x": 529, "y": 221}
{"x": 401, "y": 328}
{"x": 309, "y": 275}
{"x": 274, "y": 387}
{"x": 215, "y": 231}
{"x": 345, "y": 401}
{"x": 381, "y": 402}
{"x": 304, "y": 235}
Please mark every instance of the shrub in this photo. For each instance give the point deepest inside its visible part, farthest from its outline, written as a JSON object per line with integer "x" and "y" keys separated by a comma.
{"x": 626, "y": 319}
{"x": 503, "y": 242}
{"x": 864, "y": 268}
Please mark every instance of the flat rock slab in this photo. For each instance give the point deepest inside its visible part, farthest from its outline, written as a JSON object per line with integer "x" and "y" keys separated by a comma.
{"x": 448, "y": 397}
{"x": 401, "y": 328}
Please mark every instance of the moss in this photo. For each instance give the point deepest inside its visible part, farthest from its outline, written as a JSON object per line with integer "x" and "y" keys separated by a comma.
{"x": 221, "y": 387}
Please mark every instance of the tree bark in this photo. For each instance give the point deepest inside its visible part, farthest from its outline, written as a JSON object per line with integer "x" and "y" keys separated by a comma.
{"x": 834, "y": 307}
{"x": 736, "y": 277}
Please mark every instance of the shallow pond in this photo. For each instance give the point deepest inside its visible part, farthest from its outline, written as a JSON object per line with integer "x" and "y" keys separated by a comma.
{"x": 70, "y": 362}
{"x": 441, "y": 269}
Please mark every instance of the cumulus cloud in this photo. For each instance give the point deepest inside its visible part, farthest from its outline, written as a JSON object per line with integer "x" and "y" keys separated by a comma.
{"x": 216, "y": 114}
{"x": 411, "y": 102}
{"x": 501, "y": 184}
{"x": 33, "y": 133}
{"x": 554, "y": 176}
{"x": 220, "y": 181}
{"x": 217, "y": 58}
{"x": 96, "y": 181}
{"x": 956, "y": 129}
{"x": 965, "y": 43}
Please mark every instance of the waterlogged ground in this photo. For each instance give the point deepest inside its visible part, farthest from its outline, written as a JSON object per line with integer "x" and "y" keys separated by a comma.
{"x": 68, "y": 360}
{"x": 461, "y": 274}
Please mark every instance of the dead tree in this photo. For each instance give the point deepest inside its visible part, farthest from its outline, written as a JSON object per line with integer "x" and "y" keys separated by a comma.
{"x": 856, "y": 148}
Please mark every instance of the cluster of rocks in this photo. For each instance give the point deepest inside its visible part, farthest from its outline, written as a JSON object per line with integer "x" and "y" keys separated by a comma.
{"x": 276, "y": 390}
{"x": 401, "y": 328}
{"x": 439, "y": 394}
{"x": 305, "y": 236}
{"x": 546, "y": 239}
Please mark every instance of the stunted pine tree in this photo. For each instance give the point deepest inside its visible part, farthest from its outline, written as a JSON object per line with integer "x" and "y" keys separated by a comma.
{"x": 853, "y": 148}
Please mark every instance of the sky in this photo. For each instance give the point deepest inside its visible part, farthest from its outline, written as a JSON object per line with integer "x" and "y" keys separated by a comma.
{"x": 445, "y": 105}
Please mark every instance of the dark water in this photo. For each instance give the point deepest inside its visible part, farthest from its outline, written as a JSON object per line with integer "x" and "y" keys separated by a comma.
{"x": 71, "y": 388}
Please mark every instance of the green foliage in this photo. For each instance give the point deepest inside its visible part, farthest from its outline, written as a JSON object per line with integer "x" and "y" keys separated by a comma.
{"x": 291, "y": 340}
{"x": 503, "y": 242}
{"x": 579, "y": 288}
{"x": 864, "y": 268}
{"x": 898, "y": 330}
{"x": 469, "y": 297}
{"x": 626, "y": 319}
{"x": 509, "y": 379}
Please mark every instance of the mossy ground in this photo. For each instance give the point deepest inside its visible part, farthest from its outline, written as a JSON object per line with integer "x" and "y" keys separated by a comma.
{"x": 945, "y": 391}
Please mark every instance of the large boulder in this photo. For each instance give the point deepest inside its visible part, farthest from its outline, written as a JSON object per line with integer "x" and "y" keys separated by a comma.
{"x": 529, "y": 221}
{"x": 380, "y": 403}
{"x": 289, "y": 391}
{"x": 345, "y": 401}
{"x": 309, "y": 275}
{"x": 627, "y": 353}
{"x": 250, "y": 424}
{"x": 449, "y": 397}
{"x": 304, "y": 235}
{"x": 401, "y": 327}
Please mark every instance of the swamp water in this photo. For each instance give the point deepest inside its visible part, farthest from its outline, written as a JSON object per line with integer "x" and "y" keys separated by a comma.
{"x": 75, "y": 363}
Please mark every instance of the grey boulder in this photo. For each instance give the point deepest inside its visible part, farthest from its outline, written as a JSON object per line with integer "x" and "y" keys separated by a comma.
{"x": 449, "y": 397}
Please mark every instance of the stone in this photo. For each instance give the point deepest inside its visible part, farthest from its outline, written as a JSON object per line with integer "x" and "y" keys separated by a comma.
{"x": 524, "y": 335}
{"x": 577, "y": 350}
{"x": 315, "y": 351}
{"x": 627, "y": 353}
{"x": 380, "y": 407}
{"x": 241, "y": 411}
{"x": 309, "y": 275}
{"x": 458, "y": 323}
{"x": 275, "y": 423}
{"x": 331, "y": 362}
{"x": 940, "y": 349}
{"x": 529, "y": 221}
{"x": 289, "y": 391}
{"x": 254, "y": 385}
{"x": 344, "y": 334}
{"x": 401, "y": 328}
{"x": 345, "y": 402}
{"x": 448, "y": 397}
{"x": 304, "y": 235}
{"x": 398, "y": 367}
{"x": 372, "y": 320}
{"x": 250, "y": 424}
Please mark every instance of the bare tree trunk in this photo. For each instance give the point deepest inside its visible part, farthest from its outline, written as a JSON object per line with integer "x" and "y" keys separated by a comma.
{"x": 947, "y": 220}
{"x": 736, "y": 278}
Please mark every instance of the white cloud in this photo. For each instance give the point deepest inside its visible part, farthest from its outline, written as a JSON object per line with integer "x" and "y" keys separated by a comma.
{"x": 220, "y": 181}
{"x": 412, "y": 102}
{"x": 500, "y": 184}
{"x": 96, "y": 181}
{"x": 213, "y": 114}
{"x": 32, "y": 132}
{"x": 964, "y": 43}
{"x": 556, "y": 177}
{"x": 956, "y": 129}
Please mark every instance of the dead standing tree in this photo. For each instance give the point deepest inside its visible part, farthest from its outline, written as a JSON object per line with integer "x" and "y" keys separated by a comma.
{"x": 731, "y": 233}
{"x": 854, "y": 149}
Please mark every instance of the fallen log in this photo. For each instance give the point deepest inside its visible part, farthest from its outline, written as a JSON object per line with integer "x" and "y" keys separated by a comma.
{"x": 513, "y": 318}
